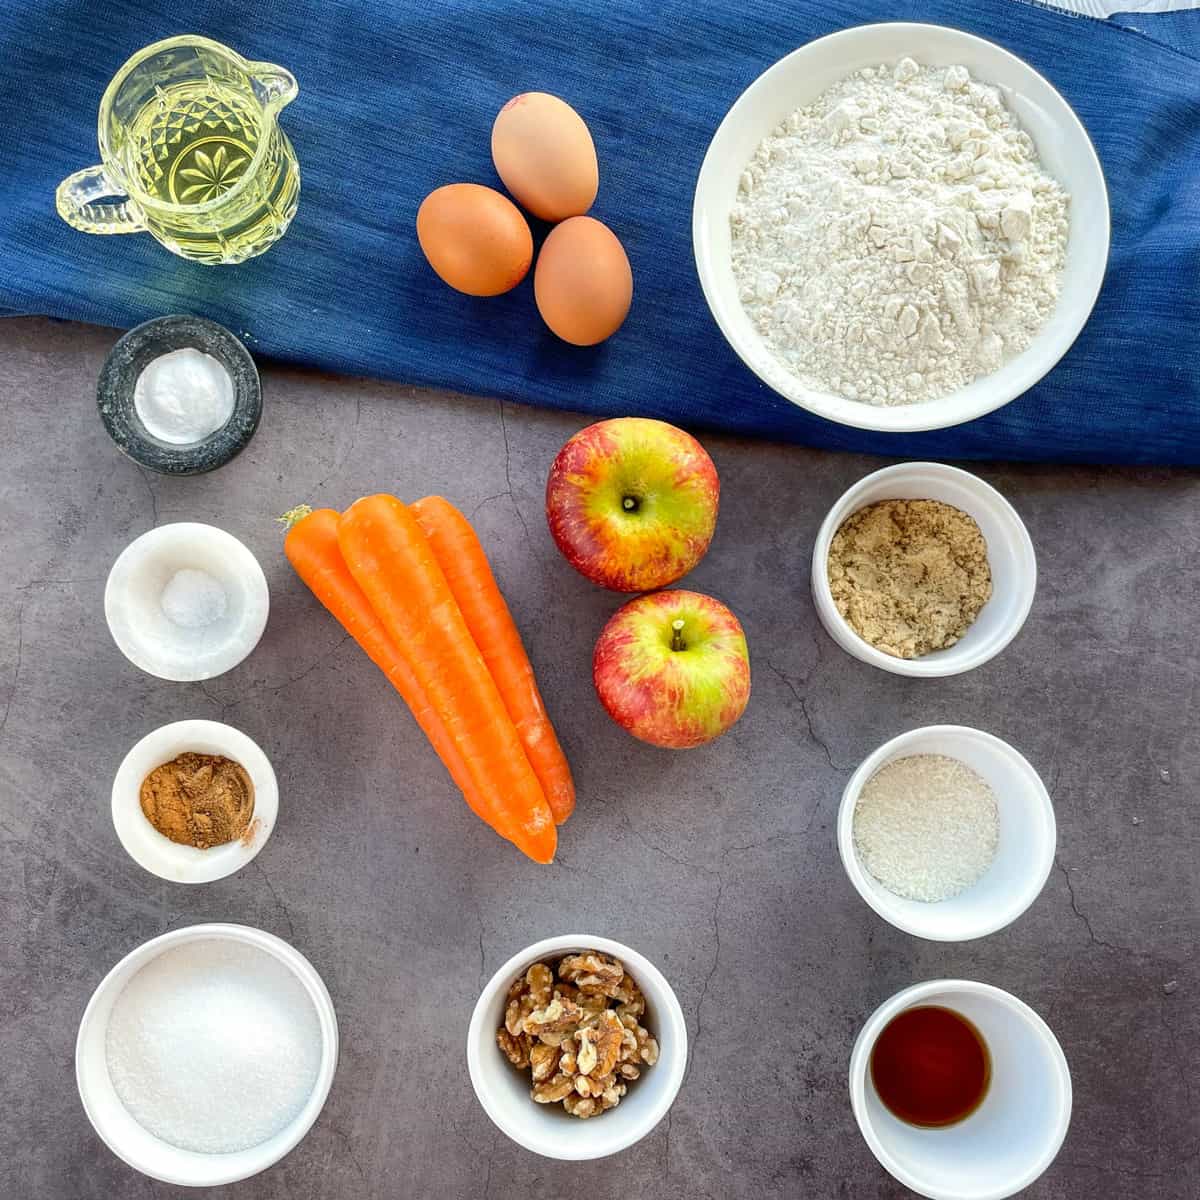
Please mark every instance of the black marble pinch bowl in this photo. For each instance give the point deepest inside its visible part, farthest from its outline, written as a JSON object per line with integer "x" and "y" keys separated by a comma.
{"x": 130, "y": 356}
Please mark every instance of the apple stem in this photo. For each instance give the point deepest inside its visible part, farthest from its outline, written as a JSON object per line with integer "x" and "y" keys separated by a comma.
{"x": 629, "y": 503}
{"x": 677, "y": 634}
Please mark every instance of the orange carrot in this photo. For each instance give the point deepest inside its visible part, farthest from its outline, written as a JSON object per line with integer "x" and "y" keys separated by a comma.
{"x": 465, "y": 565}
{"x": 311, "y": 546}
{"x": 392, "y": 561}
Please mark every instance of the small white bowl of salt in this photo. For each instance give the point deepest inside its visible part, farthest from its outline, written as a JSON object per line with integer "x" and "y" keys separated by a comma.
{"x": 947, "y": 832}
{"x": 186, "y": 601}
{"x": 206, "y": 1054}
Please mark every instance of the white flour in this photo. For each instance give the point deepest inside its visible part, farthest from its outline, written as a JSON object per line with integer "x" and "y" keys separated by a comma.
{"x": 898, "y": 237}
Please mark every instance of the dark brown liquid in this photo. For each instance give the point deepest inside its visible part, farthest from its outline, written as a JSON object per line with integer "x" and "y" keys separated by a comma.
{"x": 931, "y": 1067}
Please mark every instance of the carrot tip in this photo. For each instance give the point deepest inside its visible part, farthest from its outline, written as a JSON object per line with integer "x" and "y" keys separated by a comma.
{"x": 293, "y": 515}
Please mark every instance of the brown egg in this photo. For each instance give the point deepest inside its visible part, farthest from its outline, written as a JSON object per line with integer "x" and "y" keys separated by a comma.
{"x": 545, "y": 155}
{"x": 474, "y": 238}
{"x": 582, "y": 283}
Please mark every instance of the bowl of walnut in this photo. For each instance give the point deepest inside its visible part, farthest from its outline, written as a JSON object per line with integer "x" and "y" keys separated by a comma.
{"x": 577, "y": 1047}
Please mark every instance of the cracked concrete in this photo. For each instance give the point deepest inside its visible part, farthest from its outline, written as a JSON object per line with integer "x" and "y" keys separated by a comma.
{"x": 508, "y": 469}
{"x": 719, "y": 863}
{"x": 802, "y": 704}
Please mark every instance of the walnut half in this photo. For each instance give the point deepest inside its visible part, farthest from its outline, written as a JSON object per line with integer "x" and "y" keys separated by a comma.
{"x": 593, "y": 973}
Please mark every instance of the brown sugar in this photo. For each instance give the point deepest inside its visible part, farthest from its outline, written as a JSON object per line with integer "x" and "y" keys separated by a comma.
{"x": 910, "y": 576}
{"x": 200, "y": 800}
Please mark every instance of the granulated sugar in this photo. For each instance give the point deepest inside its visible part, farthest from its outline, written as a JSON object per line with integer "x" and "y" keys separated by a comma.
{"x": 926, "y": 827}
{"x": 214, "y": 1046}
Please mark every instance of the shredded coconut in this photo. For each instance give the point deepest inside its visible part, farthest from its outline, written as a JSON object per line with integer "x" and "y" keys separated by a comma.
{"x": 926, "y": 827}
{"x": 898, "y": 237}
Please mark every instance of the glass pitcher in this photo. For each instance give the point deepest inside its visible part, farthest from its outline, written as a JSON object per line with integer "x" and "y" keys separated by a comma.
{"x": 191, "y": 153}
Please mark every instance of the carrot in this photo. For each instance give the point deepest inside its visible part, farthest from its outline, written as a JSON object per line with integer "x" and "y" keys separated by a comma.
{"x": 311, "y": 546}
{"x": 464, "y": 563}
{"x": 391, "y": 560}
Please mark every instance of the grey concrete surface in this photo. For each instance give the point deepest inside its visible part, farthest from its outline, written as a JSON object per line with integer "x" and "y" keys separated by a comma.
{"x": 719, "y": 864}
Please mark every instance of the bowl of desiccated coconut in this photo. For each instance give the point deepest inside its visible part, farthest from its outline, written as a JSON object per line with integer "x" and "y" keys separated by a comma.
{"x": 947, "y": 833}
{"x": 900, "y": 227}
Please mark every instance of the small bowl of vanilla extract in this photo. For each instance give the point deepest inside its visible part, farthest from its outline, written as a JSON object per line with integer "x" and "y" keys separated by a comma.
{"x": 961, "y": 1090}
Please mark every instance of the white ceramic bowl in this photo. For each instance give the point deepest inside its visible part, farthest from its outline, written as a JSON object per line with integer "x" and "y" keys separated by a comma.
{"x": 1015, "y": 1133}
{"x": 1009, "y": 550}
{"x": 548, "y": 1129}
{"x": 1024, "y": 854}
{"x": 141, "y": 1149}
{"x": 1063, "y": 146}
{"x": 156, "y": 644}
{"x": 160, "y": 855}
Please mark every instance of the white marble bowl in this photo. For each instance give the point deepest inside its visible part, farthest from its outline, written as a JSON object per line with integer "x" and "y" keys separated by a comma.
{"x": 160, "y": 646}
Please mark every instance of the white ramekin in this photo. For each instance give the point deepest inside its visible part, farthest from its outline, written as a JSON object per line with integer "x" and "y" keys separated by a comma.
{"x": 1024, "y": 855}
{"x": 547, "y": 1129}
{"x": 1063, "y": 146}
{"x": 1009, "y": 550}
{"x": 1015, "y": 1133}
{"x": 168, "y": 859}
{"x": 142, "y": 630}
{"x": 141, "y": 1149}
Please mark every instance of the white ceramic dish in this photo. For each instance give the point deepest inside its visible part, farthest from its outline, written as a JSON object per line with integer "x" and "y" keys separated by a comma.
{"x": 142, "y": 1150}
{"x": 1063, "y": 145}
{"x": 1024, "y": 855}
{"x": 547, "y": 1129}
{"x": 1010, "y": 555}
{"x": 160, "y": 855}
{"x": 1016, "y": 1132}
{"x": 144, "y": 633}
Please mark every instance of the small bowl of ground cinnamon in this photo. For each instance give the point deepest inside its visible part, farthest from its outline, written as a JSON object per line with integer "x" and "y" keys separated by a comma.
{"x": 923, "y": 569}
{"x": 194, "y": 801}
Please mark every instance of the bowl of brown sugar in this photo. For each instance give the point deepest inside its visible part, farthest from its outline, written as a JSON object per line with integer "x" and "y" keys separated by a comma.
{"x": 194, "y": 801}
{"x": 923, "y": 569}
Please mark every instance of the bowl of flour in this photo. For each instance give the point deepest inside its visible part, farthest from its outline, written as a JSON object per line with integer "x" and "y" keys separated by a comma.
{"x": 901, "y": 227}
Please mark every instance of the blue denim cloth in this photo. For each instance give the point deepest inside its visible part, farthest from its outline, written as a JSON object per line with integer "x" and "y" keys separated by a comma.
{"x": 397, "y": 98}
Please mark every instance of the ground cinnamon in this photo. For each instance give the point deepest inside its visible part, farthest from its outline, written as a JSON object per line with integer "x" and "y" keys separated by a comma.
{"x": 200, "y": 800}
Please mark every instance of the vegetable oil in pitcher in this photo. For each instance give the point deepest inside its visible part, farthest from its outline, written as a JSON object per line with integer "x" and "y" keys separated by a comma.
{"x": 195, "y": 146}
{"x": 192, "y": 152}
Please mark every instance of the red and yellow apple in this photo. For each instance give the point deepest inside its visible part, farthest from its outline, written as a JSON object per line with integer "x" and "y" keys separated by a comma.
{"x": 632, "y": 503}
{"x": 673, "y": 668}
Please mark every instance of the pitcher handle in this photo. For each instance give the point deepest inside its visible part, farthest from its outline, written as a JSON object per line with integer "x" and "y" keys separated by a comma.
{"x": 80, "y": 202}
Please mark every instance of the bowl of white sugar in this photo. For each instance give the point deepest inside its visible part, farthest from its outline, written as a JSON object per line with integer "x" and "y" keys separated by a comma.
{"x": 206, "y": 1054}
{"x": 900, "y": 227}
{"x": 186, "y": 601}
{"x": 947, "y": 833}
